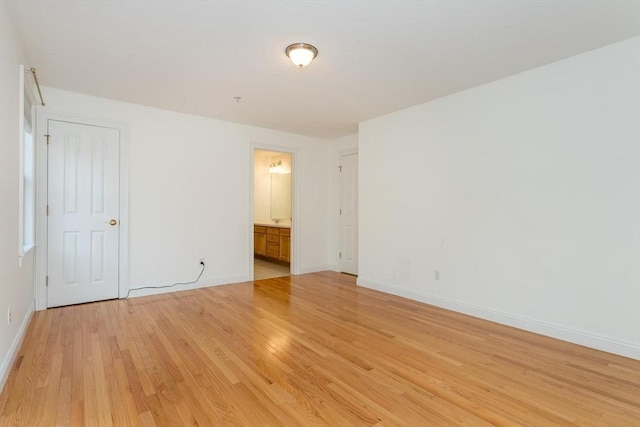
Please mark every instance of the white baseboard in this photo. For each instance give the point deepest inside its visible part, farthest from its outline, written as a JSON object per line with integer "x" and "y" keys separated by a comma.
{"x": 315, "y": 268}
{"x": 205, "y": 283}
{"x": 202, "y": 283}
{"x": 7, "y": 363}
{"x": 599, "y": 342}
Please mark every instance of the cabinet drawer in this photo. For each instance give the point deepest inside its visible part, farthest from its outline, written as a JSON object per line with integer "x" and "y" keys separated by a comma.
{"x": 259, "y": 229}
{"x": 272, "y": 230}
{"x": 285, "y": 231}
{"x": 272, "y": 238}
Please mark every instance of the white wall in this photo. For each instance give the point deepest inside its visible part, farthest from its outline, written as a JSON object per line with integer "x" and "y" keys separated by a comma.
{"x": 523, "y": 193}
{"x": 16, "y": 283}
{"x": 339, "y": 147}
{"x": 190, "y": 195}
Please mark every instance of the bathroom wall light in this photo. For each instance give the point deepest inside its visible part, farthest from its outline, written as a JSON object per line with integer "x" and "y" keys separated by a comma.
{"x": 301, "y": 54}
{"x": 275, "y": 167}
{"x": 279, "y": 167}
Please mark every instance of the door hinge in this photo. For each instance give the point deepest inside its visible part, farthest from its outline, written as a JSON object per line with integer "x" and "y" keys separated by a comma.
{"x": 340, "y": 168}
{"x": 47, "y": 210}
{"x": 47, "y": 136}
{"x": 340, "y": 255}
{"x": 46, "y": 281}
{"x": 340, "y": 211}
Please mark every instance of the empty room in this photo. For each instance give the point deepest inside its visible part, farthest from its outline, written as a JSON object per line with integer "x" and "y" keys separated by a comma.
{"x": 291, "y": 213}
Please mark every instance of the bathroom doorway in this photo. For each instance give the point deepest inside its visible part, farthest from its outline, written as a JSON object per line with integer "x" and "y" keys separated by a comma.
{"x": 272, "y": 213}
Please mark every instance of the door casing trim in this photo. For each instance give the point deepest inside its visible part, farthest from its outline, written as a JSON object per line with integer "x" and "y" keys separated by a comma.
{"x": 43, "y": 115}
{"x": 295, "y": 180}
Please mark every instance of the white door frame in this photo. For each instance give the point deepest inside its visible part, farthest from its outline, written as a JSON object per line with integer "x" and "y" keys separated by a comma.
{"x": 43, "y": 115}
{"x": 295, "y": 180}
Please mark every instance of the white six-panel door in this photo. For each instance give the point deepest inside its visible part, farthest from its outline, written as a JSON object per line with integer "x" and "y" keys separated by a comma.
{"x": 83, "y": 218}
{"x": 348, "y": 258}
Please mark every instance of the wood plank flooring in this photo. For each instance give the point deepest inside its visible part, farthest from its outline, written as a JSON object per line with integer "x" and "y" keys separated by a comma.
{"x": 304, "y": 350}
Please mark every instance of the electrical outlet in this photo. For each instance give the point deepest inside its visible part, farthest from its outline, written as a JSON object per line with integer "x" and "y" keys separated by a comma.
{"x": 9, "y": 316}
{"x": 436, "y": 274}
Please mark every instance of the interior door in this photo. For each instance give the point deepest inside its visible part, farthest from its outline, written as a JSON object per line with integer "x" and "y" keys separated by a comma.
{"x": 348, "y": 257}
{"x": 83, "y": 211}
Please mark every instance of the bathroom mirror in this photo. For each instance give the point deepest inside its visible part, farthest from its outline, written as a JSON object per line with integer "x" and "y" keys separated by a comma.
{"x": 280, "y": 196}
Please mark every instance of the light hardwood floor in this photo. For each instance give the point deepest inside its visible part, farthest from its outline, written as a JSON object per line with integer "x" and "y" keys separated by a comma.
{"x": 304, "y": 350}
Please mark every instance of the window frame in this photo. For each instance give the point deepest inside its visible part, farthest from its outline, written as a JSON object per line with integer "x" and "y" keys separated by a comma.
{"x": 26, "y": 214}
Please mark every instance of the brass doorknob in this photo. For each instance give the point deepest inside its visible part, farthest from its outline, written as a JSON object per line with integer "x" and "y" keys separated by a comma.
{"x": 113, "y": 222}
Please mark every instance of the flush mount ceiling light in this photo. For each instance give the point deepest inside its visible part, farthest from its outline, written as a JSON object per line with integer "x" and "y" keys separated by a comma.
{"x": 301, "y": 54}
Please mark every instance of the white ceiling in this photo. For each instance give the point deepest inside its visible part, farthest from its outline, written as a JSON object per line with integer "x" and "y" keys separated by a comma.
{"x": 374, "y": 57}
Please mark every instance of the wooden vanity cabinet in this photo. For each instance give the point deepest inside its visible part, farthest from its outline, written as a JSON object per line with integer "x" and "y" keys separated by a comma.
{"x": 272, "y": 243}
{"x": 285, "y": 245}
{"x": 259, "y": 240}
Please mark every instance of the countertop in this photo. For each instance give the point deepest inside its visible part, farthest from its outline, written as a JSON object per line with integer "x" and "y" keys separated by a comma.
{"x": 265, "y": 224}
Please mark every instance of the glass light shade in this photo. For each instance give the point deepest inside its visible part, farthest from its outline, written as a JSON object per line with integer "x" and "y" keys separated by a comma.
{"x": 301, "y": 54}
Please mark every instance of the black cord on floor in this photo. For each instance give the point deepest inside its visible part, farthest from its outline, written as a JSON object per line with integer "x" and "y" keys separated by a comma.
{"x": 169, "y": 286}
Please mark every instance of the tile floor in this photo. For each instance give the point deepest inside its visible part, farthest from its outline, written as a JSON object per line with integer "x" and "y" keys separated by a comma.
{"x": 266, "y": 270}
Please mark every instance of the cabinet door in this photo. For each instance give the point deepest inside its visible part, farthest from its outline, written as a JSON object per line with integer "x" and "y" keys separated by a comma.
{"x": 273, "y": 250}
{"x": 285, "y": 248}
{"x": 260, "y": 244}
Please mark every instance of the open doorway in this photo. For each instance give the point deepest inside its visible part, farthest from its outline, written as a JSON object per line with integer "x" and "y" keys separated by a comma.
{"x": 272, "y": 214}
